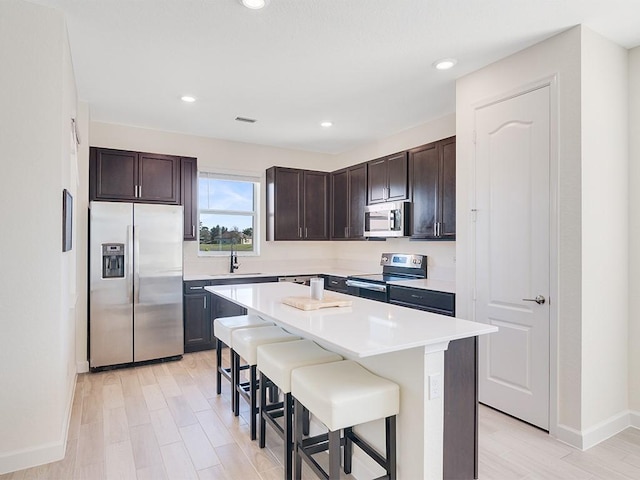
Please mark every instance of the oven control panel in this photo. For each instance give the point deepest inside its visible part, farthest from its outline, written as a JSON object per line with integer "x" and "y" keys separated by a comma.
{"x": 403, "y": 260}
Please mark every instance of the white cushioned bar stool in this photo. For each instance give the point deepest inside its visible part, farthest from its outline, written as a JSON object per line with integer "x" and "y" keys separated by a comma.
{"x": 276, "y": 361}
{"x": 245, "y": 345}
{"x": 342, "y": 395}
{"x": 222, "y": 328}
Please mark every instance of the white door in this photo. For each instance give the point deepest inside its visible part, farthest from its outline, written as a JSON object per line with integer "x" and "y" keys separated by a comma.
{"x": 512, "y": 254}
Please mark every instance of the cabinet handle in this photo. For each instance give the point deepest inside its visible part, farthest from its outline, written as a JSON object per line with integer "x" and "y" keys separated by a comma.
{"x": 139, "y": 191}
{"x": 196, "y": 288}
{"x": 333, "y": 282}
{"x": 193, "y": 231}
{"x": 300, "y": 232}
{"x": 416, "y": 296}
{"x": 346, "y": 232}
{"x": 306, "y": 232}
{"x": 205, "y": 302}
{"x": 435, "y": 229}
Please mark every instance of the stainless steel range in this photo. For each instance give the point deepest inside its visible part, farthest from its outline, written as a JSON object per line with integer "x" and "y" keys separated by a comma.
{"x": 395, "y": 266}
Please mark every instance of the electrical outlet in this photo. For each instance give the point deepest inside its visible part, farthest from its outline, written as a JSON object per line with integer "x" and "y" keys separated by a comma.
{"x": 435, "y": 386}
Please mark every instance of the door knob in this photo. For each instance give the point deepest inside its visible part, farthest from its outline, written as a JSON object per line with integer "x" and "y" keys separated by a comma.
{"x": 539, "y": 299}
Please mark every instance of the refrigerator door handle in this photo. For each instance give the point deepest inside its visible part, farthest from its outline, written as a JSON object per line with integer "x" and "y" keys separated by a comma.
{"x": 136, "y": 267}
{"x": 129, "y": 264}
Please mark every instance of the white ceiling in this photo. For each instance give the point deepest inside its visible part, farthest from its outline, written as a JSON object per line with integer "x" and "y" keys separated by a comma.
{"x": 365, "y": 65}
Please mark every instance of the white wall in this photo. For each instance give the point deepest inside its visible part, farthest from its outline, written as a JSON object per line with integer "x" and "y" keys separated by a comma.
{"x": 559, "y": 55}
{"x": 605, "y": 240}
{"x": 37, "y": 286}
{"x": 634, "y": 233}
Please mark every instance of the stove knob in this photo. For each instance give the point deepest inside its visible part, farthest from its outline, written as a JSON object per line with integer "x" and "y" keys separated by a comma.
{"x": 384, "y": 259}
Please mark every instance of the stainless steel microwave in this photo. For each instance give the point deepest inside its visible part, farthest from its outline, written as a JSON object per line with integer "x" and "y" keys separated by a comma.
{"x": 390, "y": 219}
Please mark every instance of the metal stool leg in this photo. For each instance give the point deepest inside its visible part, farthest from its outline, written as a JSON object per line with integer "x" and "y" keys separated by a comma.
{"x": 218, "y": 366}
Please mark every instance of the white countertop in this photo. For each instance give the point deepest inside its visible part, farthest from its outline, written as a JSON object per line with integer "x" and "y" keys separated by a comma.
{"x": 365, "y": 329}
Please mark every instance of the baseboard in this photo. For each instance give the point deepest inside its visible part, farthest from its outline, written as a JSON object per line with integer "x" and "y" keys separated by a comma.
{"x": 82, "y": 367}
{"x": 634, "y": 418}
{"x": 592, "y": 436}
{"x": 569, "y": 435}
{"x": 41, "y": 454}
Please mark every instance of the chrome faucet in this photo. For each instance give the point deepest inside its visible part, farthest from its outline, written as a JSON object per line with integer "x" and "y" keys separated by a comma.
{"x": 233, "y": 260}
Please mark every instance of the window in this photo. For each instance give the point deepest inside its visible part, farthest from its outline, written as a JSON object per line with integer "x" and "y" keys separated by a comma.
{"x": 227, "y": 209}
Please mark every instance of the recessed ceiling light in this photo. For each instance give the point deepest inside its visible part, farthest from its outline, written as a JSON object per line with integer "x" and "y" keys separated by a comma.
{"x": 445, "y": 63}
{"x": 188, "y": 98}
{"x": 254, "y": 4}
{"x": 326, "y": 124}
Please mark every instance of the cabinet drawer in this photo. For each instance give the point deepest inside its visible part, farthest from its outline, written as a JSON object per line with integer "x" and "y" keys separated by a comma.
{"x": 195, "y": 286}
{"x": 335, "y": 284}
{"x": 437, "y": 302}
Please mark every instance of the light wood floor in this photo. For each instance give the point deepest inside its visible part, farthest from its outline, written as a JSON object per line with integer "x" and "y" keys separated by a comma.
{"x": 165, "y": 422}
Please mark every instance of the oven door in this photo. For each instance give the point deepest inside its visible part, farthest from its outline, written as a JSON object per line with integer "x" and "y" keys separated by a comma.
{"x": 372, "y": 291}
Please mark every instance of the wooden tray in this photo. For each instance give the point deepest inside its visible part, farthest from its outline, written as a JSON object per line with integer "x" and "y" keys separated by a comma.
{"x": 308, "y": 303}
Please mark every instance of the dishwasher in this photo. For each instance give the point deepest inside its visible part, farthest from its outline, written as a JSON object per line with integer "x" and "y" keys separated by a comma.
{"x": 301, "y": 279}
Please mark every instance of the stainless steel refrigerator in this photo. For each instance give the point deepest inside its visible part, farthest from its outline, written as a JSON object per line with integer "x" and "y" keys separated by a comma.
{"x": 135, "y": 297}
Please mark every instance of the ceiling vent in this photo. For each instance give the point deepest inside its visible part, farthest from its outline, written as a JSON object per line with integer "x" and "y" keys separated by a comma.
{"x": 246, "y": 120}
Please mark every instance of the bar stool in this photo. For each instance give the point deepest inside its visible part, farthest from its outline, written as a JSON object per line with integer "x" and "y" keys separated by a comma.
{"x": 276, "y": 361}
{"x": 222, "y": 328}
{"x": 245, "y": 344}
{"x": 342, "y": 395}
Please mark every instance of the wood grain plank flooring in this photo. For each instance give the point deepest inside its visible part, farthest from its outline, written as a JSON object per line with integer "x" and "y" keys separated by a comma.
{"x": 165, "y": 422}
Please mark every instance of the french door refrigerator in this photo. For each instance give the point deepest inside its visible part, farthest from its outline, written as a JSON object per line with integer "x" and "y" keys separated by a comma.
{"x": 135, "y": 287}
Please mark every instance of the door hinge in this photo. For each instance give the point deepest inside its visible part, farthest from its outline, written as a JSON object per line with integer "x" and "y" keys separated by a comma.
{"x": 474, "y": 215}
{"x": 474, "y": 137}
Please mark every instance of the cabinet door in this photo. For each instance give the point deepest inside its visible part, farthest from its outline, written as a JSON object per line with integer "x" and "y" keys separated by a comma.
{"x": 197, "y": 322}
{"x": 397, "y": 177}
{"x": 284, "y": 203}
{"x": 189, "y": 196}
{"x": 448, "y": 188}
{"x": 377, "y": 181}
{"x": 316, "y": 213}
{"x": 357, "y": 200}
{"x": 113, "y": 174}
{"x": 424, "y": 166}
{"x": 340, "y": 204}
{"x": 158, "y": 178}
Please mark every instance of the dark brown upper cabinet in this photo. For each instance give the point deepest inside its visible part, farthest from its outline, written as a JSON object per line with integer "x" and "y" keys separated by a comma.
{"x": 116, "y": 175}
{"x": 124, "y": 176}
{"x": 387, "y": 179}
{"x": 297, "y": 204}
{"x": 189, "y": 196}
{"x": 348, "y": 199}
{"x": 432, "y": 182}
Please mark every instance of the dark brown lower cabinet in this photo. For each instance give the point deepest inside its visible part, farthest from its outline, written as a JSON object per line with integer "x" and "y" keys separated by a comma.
{"x": 197, "y": 317}
{"x": 197, "y": 322}
{"x": 201, "y": 308}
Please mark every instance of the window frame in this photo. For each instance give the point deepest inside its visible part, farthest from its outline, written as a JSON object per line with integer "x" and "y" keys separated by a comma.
{"x": 239, "y": 177}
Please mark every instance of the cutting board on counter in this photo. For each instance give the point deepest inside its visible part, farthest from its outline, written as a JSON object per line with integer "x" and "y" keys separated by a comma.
{"x": 308, "y": 303}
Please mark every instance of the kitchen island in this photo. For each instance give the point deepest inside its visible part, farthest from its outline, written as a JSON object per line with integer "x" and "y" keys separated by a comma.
{"x": 406, "y": 346}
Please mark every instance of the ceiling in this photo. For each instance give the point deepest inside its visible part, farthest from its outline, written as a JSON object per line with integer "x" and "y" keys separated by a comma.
{"x": 365, "y": 65}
